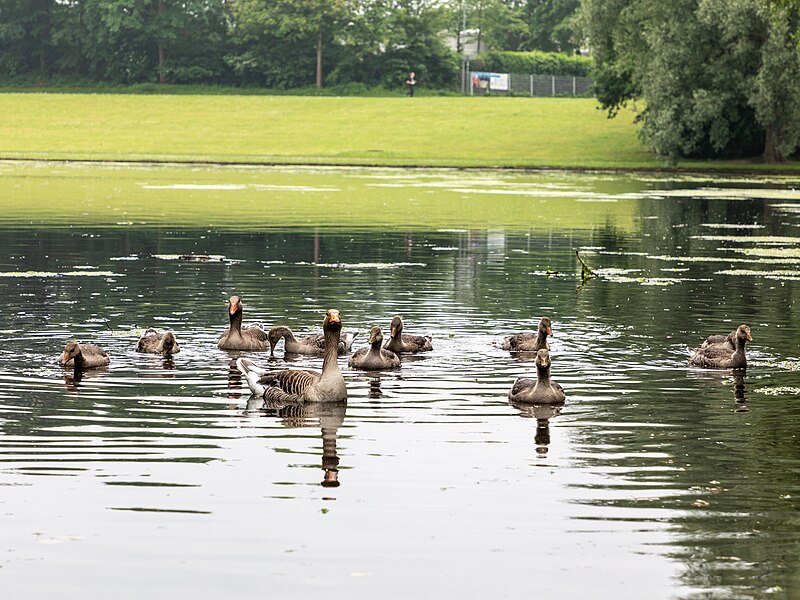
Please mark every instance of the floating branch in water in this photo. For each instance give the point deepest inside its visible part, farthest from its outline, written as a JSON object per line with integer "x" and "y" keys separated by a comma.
{"x": 586, "y": 272}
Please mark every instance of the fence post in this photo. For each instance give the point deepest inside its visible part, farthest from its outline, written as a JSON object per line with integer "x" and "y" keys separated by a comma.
{"x": 531, "y": 86}
{"x": 574, "y": 90}
{"x": 553, "y": 79}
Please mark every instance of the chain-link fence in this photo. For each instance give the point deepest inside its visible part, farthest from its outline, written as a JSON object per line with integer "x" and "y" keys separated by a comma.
{"x": 480, "y": 83}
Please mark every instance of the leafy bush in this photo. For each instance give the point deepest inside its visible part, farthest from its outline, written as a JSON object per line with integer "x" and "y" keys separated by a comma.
{"x": 535, "y": 62}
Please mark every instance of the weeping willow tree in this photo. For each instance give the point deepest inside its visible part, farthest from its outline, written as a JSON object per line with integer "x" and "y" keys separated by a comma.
{"x": 717, "y": 78}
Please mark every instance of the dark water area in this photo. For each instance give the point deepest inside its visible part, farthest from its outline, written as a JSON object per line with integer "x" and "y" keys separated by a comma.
{"x": 161, "y": 475}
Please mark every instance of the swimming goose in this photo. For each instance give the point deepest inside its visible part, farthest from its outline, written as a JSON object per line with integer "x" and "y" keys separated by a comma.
{"x": 294, "y": 384}
{"x": 252, "y": 337}
{"x": 154, "y": 342}
{"x": 401, "y": 342}
{"x": 374, "y": 358}
{"x": 83, "y": 356}
{"x": 313, "y": 344}
{"x": 721, "y": 355}
{"x": 540, "y": 391}
{"x": 529, "y": 342}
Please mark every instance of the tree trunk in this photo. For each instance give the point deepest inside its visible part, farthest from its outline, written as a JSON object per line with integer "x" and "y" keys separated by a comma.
{"x": 162, "y": 76}
{"x": 772, "y": 150}
{"x": 319, "y": 59}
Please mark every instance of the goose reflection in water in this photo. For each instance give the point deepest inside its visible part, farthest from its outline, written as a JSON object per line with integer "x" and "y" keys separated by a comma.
{"x": 235, "y": 384}
{"x": 157, "y": 366}
{"x": 328, "y": 415}
{"x": 542, "y": 413}
{"x": 739, "y": 392}
{"x": 74, "y": 380}
{"x": 374, "y": 392}
{"x": 734, "y": 376}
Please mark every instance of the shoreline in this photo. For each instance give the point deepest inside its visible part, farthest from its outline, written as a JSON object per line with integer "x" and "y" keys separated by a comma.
{"x": 721, "y": 170}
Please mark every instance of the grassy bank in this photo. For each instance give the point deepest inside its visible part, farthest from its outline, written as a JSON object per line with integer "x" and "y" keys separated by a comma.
{"x": 423, "y": 131}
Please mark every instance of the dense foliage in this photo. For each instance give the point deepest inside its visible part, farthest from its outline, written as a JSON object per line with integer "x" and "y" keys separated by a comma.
{"x": 273, "y": 43}
{"x": 718, "y": 78}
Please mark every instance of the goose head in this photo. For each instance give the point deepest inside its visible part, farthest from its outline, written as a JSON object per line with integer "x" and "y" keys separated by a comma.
{"x": 234, "y": 305}
{"x": 332, "y": 322}
{"x": 543, "y": 359}
{"x": 743, "y": 334}
{"x": 397, "y": 326}
{"x": 375, "y": 337}
{"x": 168, "y": 342}
{"x": 71, "y": 350}
{"x": 545, "y": 326}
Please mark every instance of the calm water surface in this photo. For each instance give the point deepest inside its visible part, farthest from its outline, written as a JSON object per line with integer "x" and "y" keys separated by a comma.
{"x": 159, "y": 477}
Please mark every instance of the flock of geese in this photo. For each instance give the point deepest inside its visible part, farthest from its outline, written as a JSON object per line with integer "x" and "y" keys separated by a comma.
{"x": 296, "y": 385}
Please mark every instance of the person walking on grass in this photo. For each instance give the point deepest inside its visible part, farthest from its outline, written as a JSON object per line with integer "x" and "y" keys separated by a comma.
{"x": 410, "y": 83}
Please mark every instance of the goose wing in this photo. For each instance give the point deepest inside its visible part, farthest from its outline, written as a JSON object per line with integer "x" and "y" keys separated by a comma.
{"x": 512, "y": 342}
{"x": 419, "y": 343}
{"x": 256, "y": 332}
{"x": 521, "y": 384}
{"x": 277, "y": 386}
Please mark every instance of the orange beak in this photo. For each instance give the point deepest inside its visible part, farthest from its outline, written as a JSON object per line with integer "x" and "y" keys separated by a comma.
{"x": 232, "y": 308}
{"x": 394, "y": 331}
{"x": 549, "y": 331}
{"x": 749, "y": 337}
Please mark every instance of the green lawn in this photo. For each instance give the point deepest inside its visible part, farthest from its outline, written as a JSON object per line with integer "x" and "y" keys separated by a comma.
{"x": 422, "y": 131}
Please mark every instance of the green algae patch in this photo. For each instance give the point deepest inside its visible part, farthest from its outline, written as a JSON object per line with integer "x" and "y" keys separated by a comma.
{"x": 780, "y": 391}
{"x": 627, "y": 276}
{"x": 45, "y": 274}
{"x": 743, "y": 239}
{"x": 781, "y": 274}
{"x": 786, "y": 254}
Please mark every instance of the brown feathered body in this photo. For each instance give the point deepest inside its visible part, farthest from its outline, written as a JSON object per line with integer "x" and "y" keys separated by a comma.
{"x": 290, "y": 385}
{"x": 313, "y": 344}
{"x": 156, "y": 342}
{"x": 721, "y": 355}
{"x": 541, "y": 390}
{"x": 400, "y": 342}
{"x": 237, "y": 337}
{"x": 529, "y": 342}
{"x": 83, "y": 356}
{"x": 374, "y": 358}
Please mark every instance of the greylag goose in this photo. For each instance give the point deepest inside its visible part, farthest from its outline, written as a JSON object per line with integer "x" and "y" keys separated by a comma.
{"x": 540, "y": 391}
{"x": 298, "y": 385}
{"x": 721, "y": 355}
{"x": 83, "y": 356}
{"x": 374, "y": 358}
{"x": 313, "y": 344}
{"x": 252, "y": 337}
{"x": 154, "y": 342}
{"x": 529, "y": 342}
{"x": 401, "y": 342}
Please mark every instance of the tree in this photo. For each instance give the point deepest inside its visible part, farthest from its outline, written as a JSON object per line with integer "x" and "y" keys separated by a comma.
{"x": 25, "y": 42}
{"x": 388, "y": 38}
{"x": 717, "y": 77}
{"x": 311, "y": 22}
{"x": 551, "y": 25}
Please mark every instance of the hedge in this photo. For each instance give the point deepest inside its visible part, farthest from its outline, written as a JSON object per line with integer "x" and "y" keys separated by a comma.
{"x": 535, "y": 62}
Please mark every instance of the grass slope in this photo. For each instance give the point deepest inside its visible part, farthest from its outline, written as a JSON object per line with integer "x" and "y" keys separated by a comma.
{"x": 423, "y": 131}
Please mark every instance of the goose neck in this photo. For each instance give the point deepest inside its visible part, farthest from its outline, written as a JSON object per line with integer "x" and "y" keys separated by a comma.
{"x": 236, "y": 322}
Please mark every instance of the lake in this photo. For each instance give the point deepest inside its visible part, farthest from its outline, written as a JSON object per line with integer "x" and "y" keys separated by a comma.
{"x": 161, "y": 476}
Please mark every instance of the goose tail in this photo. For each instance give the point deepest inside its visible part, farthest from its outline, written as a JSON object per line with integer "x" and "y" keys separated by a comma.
{"x": 253, "y": 375}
